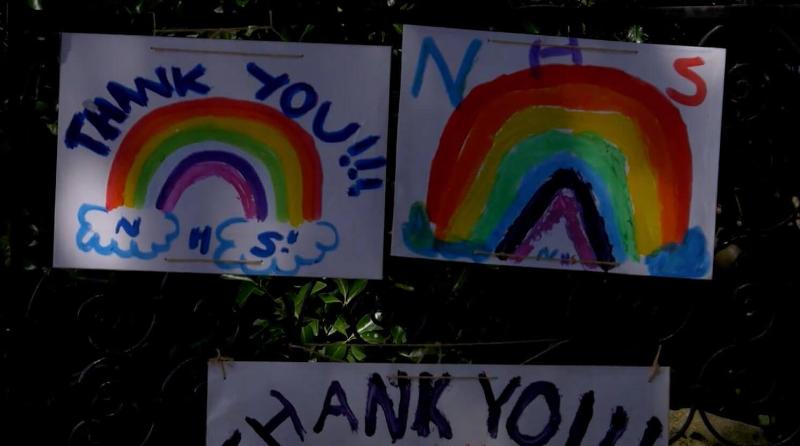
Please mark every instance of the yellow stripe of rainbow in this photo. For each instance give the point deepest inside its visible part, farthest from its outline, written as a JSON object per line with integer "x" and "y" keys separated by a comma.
{"x": 615, "y": 128}
{"x": 153, "y": 153}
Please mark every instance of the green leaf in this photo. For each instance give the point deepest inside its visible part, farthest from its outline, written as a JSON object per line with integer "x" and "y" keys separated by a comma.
{"x": 356, "y": 287}
{"x": 275, "y": 334}
{"x": 242, "y": 3}
{"x": 329, "y": 298}
{"x": 307, "y": 29}
{"x": 341, "y": 325}
{"x": 342, "y": 285}
{"x": 306, "y": 334}
{"x": 530, "y": 28}
{"x": 416, "y": 355}
{"x": 314, "y": 323}
{"x": 239, "y": 278}
{"x": 366, "y": 325}
{"x": 280, "y": 308}
{"x": 369, "y": 330}
{"x": 404, "y": 286}
{"x": 247, "y": 289}
{"x": 243, "y": 294}
{"x": 262, "y": 323}
{"x": 373, "y": 337}
{"x": 309, "y": 331}
{"x": 356, "y": 354}
{"x": 299, "y": 298}
{"x": 336, "y": 351}
{"x": 636, "y": 34}
{"x": 304, "y": 289}
{"x": 460, "y": 281}
{"x": 398, "y": 335}
{"x": 35, "y": 4}
{"x": 318, "y": 286}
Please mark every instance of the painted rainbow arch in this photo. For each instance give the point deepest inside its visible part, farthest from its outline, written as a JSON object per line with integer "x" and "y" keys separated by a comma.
{"x": 596, "y": 146}
{"x": 284, "y": 148}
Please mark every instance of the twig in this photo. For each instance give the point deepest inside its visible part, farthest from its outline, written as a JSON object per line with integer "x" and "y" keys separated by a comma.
{"x": 582, "y": 48}
{"x": 221, "y": 360}
{"x": 443, "y": 345}
{"x": 543, "y": 352}
{"x": 159, "y": 49}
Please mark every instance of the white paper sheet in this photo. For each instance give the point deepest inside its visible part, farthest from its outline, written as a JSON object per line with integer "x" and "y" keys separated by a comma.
{"x": 221, "y": 156}
{"x": 287, "y": 401}
{"x": 557, "y": 153}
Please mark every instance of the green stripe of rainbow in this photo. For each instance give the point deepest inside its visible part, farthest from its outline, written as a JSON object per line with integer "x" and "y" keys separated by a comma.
{"x": 286, "y": 150}
{"x": 627, "y": 112}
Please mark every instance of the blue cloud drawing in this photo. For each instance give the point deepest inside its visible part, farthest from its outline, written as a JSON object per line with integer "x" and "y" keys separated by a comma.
{"x": 282, "y": 251}
{"x": 125, "y": 232}
{"x": 689, "y": 259}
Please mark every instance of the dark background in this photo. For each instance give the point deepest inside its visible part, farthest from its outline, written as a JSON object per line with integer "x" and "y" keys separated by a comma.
{"x": 118, "y": 358}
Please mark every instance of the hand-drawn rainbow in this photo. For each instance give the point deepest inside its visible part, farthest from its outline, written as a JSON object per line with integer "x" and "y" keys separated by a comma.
{"x": 285, "y": 149}
{"x": 599, "y": 147}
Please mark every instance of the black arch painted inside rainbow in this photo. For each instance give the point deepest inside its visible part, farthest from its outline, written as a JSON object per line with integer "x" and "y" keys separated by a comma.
{"x": 591, "y": 219}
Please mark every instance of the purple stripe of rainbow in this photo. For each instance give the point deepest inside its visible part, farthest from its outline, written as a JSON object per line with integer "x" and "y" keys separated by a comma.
{"x": 235, "y": 170}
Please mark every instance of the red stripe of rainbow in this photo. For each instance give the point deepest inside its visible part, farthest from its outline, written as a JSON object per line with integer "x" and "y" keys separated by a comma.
{"x": 229, "y": 115}
{"x": 461, "y": 151}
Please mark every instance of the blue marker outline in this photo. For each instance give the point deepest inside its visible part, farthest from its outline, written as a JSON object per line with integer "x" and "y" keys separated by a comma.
{"x": 689, "y": 259}
{"x": 272, "y": 268}
{"x": 93, "y": 244}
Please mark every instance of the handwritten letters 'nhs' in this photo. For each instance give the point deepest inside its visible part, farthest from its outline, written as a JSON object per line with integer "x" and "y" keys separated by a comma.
{"x": 221, "y": 156}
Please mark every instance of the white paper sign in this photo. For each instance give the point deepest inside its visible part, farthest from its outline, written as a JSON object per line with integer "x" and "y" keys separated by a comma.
{"x": 262, "y": 403}
{"x": 221, "y": 156}
{"x": 557, "y": 152}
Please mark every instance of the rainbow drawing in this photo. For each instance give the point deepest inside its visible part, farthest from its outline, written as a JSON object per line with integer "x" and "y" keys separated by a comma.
{"x": 594, "y": 146}
{"x": 285, "y": 149}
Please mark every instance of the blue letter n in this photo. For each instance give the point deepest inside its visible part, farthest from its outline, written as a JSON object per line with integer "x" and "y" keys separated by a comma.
{"x": 132, "y": 229}
{"x": 454, "y": 87}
